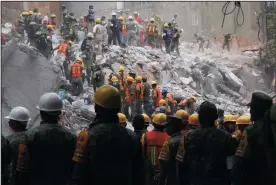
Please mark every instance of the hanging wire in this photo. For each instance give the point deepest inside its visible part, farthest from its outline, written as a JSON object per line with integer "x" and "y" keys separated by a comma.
{"x": 240, "y": 10}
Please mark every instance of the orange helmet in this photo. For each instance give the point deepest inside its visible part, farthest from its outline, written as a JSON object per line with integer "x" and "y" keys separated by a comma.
{"x": 146, "y": 117}
{"x": 122, "y": 118}
{"x": 182, "y": 114}
{"x": 50, "y": 27}
{"x": 161, "y": 102}
{"x": 70, "y": 42}
{"x": 193, "y": 119}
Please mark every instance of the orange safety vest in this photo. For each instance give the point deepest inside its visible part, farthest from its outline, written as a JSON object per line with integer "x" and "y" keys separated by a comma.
{"x": 76, "y": 70}
{"x": 154, "y": 143}
{"x": 156, "y": 94}
{"x": 151, "y": 29}
{"x": 62, "y": 48}
{"x": 140, "y": 87}
{"x": 127, "y": 94}
{"x": 124, "y": 31}
{"x": 170, "y": 97}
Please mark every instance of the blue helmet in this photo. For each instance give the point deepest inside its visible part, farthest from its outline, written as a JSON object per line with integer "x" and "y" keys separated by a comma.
{"x": 164, "y": 91}
{"x": 162, "y": 109}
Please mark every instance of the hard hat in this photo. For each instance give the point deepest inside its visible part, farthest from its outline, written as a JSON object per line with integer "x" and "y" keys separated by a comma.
{"x": 53, "y": 15}
{"x": 135, "y": 13}
{"x": 161, "y": 102}
{"x": 98, "y": 20}
{"x": 146, "y": 118}
{"x": 139, "y": 78}
{"x": 79, "y": 60}
{"x": 121, "y": 68}
{"x": 81, "y": 17}
{"x": 162, "y": 109}
{"x": 130, "y": 79}
{"x": 25, "y": 13}
{"x": 193, "y": 119}
{"x": 122, "y": 118}
{"x": 19, "y": 114}
{"x": 166, "y": 25}
{"x": 31, "y": 12}
{"x": 70, "y": 42}
{"x": 50, "y": 102}
{"x": 114, "y": 79}
{"x": 153, "y": 83}
{"x": 152, "y": 20}
{"x": 108, "y": 97}
{"x": 243, "y": 120}
{"x": 131, "y": 73}
{"x": 160, "y": 119}
{"x": 130, "y": 17}
{"x": 89, "y": 35}
{"x": 121, "y": 18}
{"x": 50, "y": 27}
{"x": 229, "y": 118}
{"x": 164, "y": 91}
{"x": 194, "y": 98}
{"x": 113, "y": 13}
{"x": 182, "y": 114}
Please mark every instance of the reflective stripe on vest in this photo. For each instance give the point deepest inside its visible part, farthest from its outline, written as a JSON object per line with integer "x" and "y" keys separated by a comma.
{"x": 62, "y": 48}
{"x": 127, "y": 95}
{"x": 151, "y": 30}
{"x": 124, "y": 29}
{"x": 141, "y": 89}
{"x": 155, "y": 141}
{"x": 76, "y": 70}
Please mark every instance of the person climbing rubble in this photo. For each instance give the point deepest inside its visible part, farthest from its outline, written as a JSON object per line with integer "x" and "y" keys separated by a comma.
{"x": 107, "y": 143}
{"x": 127, "y": 97}
{"x": 152, "y": 143}
{"x": 52, "y": 21}
{"x": 90, "y": 18}
{"x": 50, "y": 141}
{"x": 123, "y": 30}
{"x": 188, "y": 104}
{"x": 98, "y": 78}
{"x": 166, "y": 101}
{"x": 88, "y": 56}
{"x": 139, "y": 95}
{"x": 132, "y": 29}
{"x": 147, "y": 99}
{"x": 155, "y": 94}
{"x": 18, "y": 119}
{"x": 151, "y": 32}
{"x": 76, "y": 77}
{"x": 167, "y": 36}
{"x": 122, "y": 119}
{"x": 114, "y": 26}
{"x": 98, "y": 32}
{"x": 175, "y": 41}
{"x": 200, "y": 40}
{"x": 226, "y": 41}
{"x": 64, "y": 12}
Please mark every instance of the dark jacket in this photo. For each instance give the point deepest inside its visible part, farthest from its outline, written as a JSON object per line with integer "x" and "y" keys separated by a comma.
{"x": 5, "y": 160}
{"x": 168, "y": 33}
{"x": 50, "y": 148}
{"x": 115, "y": 25}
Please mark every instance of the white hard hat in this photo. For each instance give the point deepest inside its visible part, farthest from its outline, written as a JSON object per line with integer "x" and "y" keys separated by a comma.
{"x": 90, "y": 35}
{"x": 19, "y": 114}
{"x": 114, "y": 13}
{"x": 50, "y": 102}
{"x": 130, "y": 17}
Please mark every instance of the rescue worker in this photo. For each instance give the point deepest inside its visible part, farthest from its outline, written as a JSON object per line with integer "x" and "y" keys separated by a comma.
{"x": 139, "y": 95}
{"x": 132, "y": 29}
{"x": 42, "y": 45}
{"x": 242, "y": 122}
{"x": 123, "y": 30}
{"x": 174, "y": 22}
{"x": 132, "y": 74}
{"x": 87, "y": 49}
{"x": 50, "y": 29}
{"x": 103, "y": 21}
{"x": 175, "y": 41}
{"x": 137, "y": 18}
{"x": 34, "y": 25}
{"x": 226, "y": 41}
{"x": 18, "y": 120}
{"x": 114, "y": 82}
{"x": 64, "y": 12}
{"x": 220, "y": 118}
{"x": 152, "y": 143}
{"x": 115, "y": 29}
{"x": 76, "y": 76}
{"x": 90, "y": 18}
{"x": 155, "y": 94}
{"x": 151, "y": 32}
{"x": 188, "y": 104}
{"x": 98, "y": 78}
{"x": 200, "y": 40}
{"x": 147, "y": 100}
{"x": 147, "y": 121}
{"x": 251, "y": 154}
{"x": 49, "y": 147}
{"x": 98, "y": 32}
{"x": 193, "y": 122}
{"x": 229, "y": 123}
{"x": 184, "y": 115}
{"x": 52, "y": 21}
{"x": 5, "y": 160}
{"x": 48, "y": 52}
{"x": 121, "y": 77}
{"x": 207, "y": 165}
{"x": 122, "y": 119}
{"x": 107, "y": 153}
{"x": 164, "y": 93}
{"x": 167, "y": 37}
{"x": 172, "y": 103}
{"x": 64, "y": 49}
{"x": 138, "y": 124}
{"x": 127, "y": 98}
{"x": 168, "y": 168}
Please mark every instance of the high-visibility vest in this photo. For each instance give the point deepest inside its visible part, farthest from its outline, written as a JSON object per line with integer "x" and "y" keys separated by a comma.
{"x": 62, "y": 48}
{"x": 140, "y": 87}
{"x": 127, "y": 94}
{"x": 124, "y": 31}
{"x": 151, "y": 28}
{"x": 76, "y": 70}
{"x": 156, "y": 94}
{"x": 154, "y": 142}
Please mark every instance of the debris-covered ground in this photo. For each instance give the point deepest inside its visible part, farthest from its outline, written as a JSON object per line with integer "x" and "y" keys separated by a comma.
{"x": 225, "y": 78}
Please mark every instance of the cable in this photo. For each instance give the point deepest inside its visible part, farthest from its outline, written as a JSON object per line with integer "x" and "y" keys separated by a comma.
{"x": 224, "y": 9}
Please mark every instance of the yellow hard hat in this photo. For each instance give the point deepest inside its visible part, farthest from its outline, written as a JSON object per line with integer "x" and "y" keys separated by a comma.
{"x": 51, "y": 27}
{"x": 194, "y": 98}
{"x": 153, "y": 83}
{"x": 229, "y": 118}
{"x": 139, "y": 78}
{"x": 161, "y": 102}
{"x": 79, "y": 60}
{"x": 160, "y": 119}
{"x": 243, "y": 120}
{"x": 98, "y": 20}
{"x": 53, "y": 15}
{"x": 70, "y": 42}
{"x": 182, "y": 114}
{"x": 193, "y": 119}
{"x": 25, "y": 13}
{"x": 166, "y": 25}
{"x": 108, "y": 97}
{"x": 31, "y": 12}
{"x": 130, "y": 79}
{"x": 152, "y": 19}
{"x": 121, "y": 18}
{"x": 122, "y": 118}
{"x": 121, "y": 68}
{"x": 114, "y": 79}
{"x": 146, "y": 118}
{"x": 39, "y": 13}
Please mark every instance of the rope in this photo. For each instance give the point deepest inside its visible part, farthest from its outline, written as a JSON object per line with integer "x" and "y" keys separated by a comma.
{"x": 240, "y": 10}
